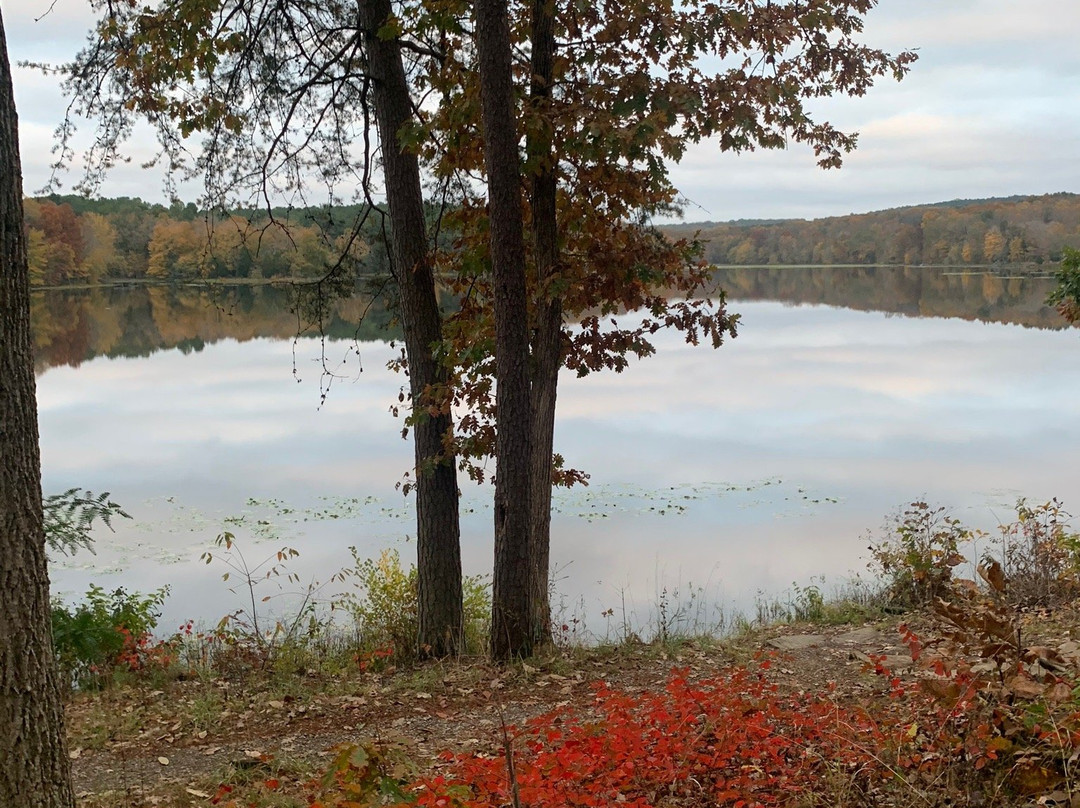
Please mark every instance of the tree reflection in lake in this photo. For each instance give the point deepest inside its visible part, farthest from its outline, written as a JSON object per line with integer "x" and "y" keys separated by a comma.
{"x": 72, "y": 326}
{"x": 990, "y": 297}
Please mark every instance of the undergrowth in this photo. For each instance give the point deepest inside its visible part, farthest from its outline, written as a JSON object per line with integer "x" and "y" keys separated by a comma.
{"x": 990, "y": 716}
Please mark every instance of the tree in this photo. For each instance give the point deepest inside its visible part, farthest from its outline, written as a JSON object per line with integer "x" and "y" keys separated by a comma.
{"x": 441, "y": 611}
{"x": 1066, "y": 297}
{"x": 993, "y": 245}
{"x": 99, "y": 244}
{"x": 548, "y": 319}
{"x": 57, "y": 258}
{"x": 513, "y": 595}
{"x": 176, "y": 251}
{"x": 34, "y": 765}
{"x": 632, "y": 94}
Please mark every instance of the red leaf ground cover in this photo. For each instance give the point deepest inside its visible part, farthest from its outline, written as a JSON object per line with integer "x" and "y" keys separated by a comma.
{"x": 734, "y": 739}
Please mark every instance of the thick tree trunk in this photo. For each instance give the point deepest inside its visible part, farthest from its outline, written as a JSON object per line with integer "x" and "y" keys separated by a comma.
{"x": 512, "y": 615}
{"x": 34, "y": 767}
{"x": 438, "y": 530}
{"x": 547, "y": 327}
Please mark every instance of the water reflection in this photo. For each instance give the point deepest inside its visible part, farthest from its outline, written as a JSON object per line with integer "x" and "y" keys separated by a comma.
{"x": 742, "y": 469}
{"x": 73, "y": 326}
{"x": 988, "y": 297}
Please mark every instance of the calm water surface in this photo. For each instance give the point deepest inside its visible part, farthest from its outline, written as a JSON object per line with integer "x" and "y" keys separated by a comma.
{"x": 847, "y": 394}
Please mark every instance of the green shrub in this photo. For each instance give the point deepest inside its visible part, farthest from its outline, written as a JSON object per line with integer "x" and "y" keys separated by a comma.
{"x": 105, "y": 631}
{"x": 852, "y": 601}
{"x": 1040, "y": 556}
{"x": 385, "y": 610}
{"x": 915, "y": 559}
{"x": 1067, "y": 294}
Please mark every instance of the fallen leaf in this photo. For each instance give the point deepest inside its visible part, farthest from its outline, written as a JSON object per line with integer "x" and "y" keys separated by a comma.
{"x": 1058, "y": 693}
{"x": 940, "y": 688}
{"x": 1025, "y": 688}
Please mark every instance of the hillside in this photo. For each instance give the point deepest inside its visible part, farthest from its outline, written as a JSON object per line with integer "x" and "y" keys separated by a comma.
{"x": 1009, "y": 230}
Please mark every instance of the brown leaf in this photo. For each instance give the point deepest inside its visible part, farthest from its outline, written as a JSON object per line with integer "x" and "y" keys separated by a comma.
{"x": 1059, "y": 692}
{"x": 1054, "y": 798}
{"x": 1029, "y": 777}
{"x": 995, "y": 625}
{"x": 995, "y": 649}
{"x": 1025, "y": 687}
{"x": 966, "y": 586}
{"x": 944, "y": 689}
{"x": 993, "y": 574}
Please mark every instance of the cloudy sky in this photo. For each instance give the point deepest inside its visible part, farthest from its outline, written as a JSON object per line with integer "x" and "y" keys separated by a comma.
{"x": 992, "y": 108}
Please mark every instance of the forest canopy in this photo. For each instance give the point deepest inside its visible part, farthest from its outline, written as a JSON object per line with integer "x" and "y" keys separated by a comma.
{"x": 75, "y": 240}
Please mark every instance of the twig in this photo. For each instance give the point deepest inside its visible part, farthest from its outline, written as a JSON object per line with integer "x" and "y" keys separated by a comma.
{"x": 508, "y": 752}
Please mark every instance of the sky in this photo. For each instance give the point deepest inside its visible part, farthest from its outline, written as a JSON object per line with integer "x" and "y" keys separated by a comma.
{"x": 991, "y": 108}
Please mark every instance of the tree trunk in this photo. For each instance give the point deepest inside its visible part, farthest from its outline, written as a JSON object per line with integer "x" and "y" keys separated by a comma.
{"x": 438, "y": 531}
{"x": 34, "y": 766}
{"x": 512, "y": 615}
{"x": 547, "y": 327}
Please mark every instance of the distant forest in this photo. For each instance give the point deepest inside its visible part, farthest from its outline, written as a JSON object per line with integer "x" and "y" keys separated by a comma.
{"x": 72, "y": 239}
{"x": 77, "y": 240}
{"x": 1013, "y": 230}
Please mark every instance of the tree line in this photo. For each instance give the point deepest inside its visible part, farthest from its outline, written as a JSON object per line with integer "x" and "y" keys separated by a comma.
{"x": 73, "y": 239}
{"x": 1012, "y": 230}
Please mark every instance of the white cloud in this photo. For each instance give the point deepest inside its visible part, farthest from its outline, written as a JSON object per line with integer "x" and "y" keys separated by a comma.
{"x": 988, "y": 110}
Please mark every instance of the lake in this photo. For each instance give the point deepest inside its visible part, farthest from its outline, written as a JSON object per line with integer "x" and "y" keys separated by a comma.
{"x": 729, "y": 473}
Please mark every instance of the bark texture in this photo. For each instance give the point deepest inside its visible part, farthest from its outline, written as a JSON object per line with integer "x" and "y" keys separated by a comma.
{"x": 547, "y": 327}
{"x": 34, "y": 766}
{"x": 512, "y": 615}
{"x": 437, "y": 530}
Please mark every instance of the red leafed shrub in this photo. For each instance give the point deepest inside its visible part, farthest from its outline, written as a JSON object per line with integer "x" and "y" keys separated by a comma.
{"x": 732, "y": 740}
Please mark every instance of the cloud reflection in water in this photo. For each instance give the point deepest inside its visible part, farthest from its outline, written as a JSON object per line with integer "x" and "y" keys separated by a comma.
{"x": 859, "y": 411}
